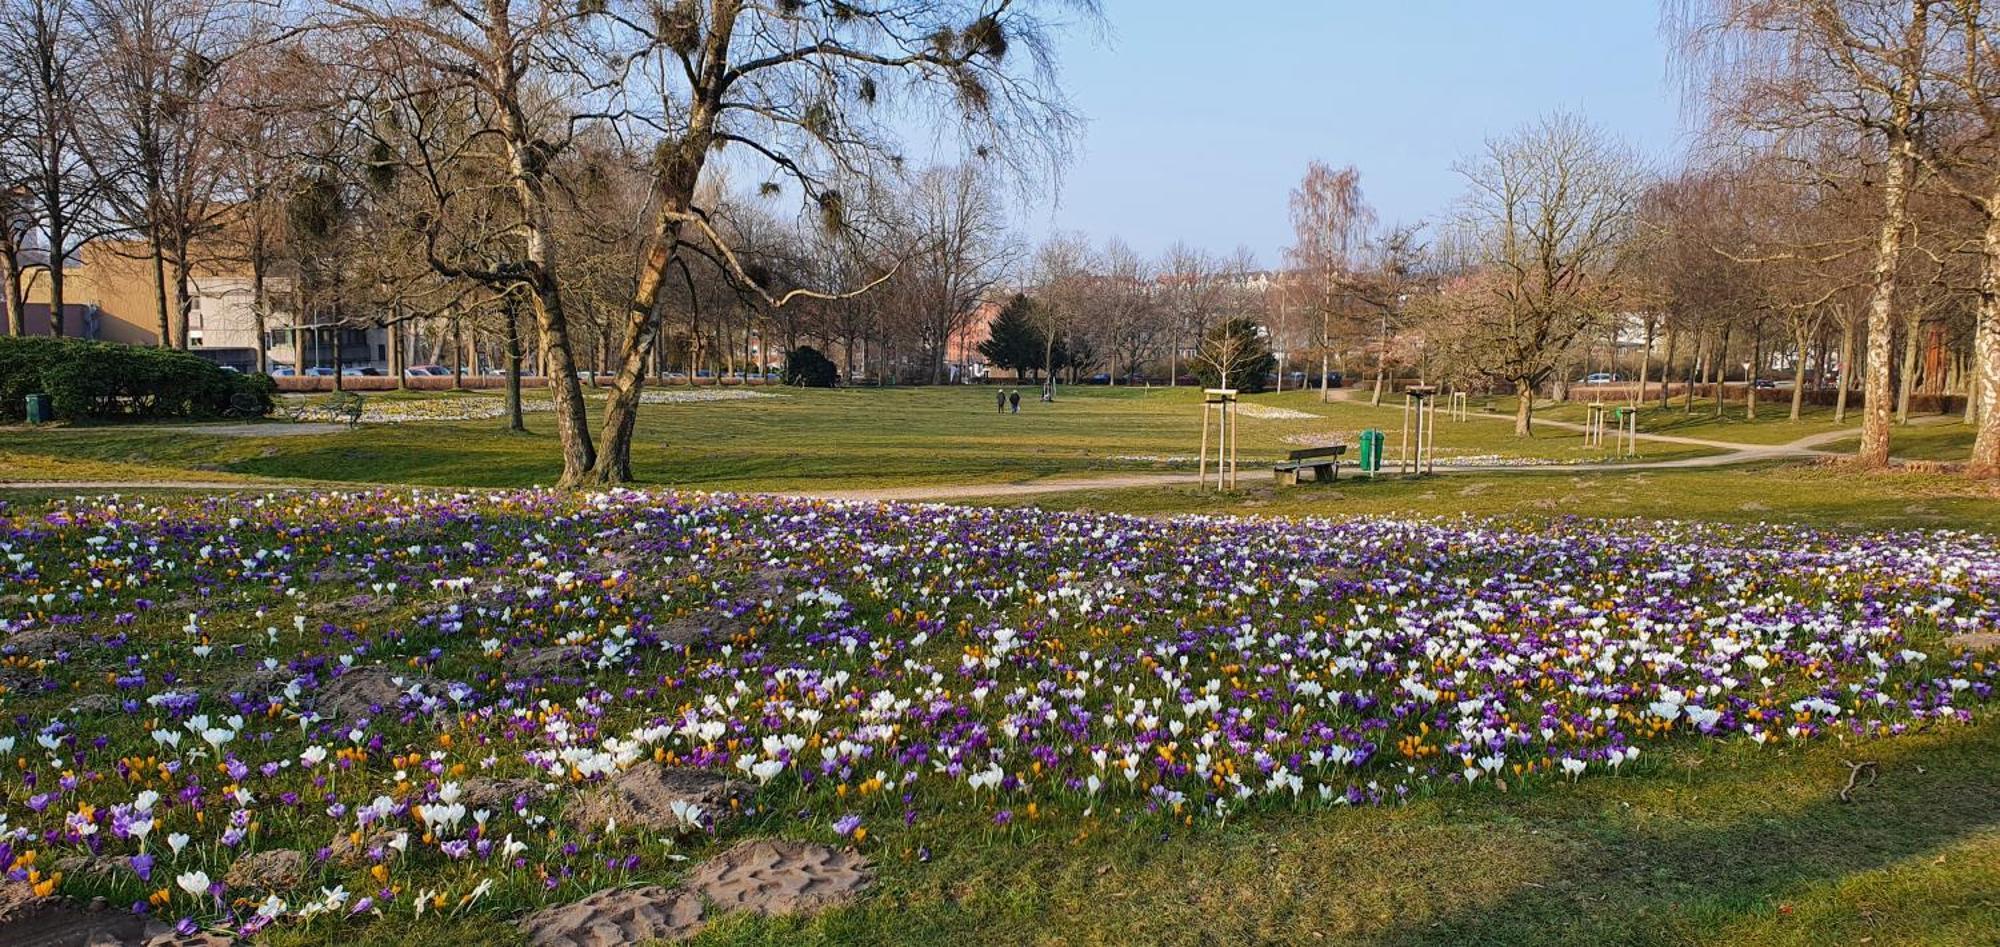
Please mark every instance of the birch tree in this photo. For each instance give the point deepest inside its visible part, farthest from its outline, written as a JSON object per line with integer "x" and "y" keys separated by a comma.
{"x": 1787, "y": 68}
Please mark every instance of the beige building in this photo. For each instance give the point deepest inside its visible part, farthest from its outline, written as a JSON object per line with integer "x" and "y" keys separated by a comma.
{"x": 108, "y": 296}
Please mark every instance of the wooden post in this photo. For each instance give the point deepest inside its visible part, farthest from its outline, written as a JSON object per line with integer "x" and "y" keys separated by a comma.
{"x": 1221, "y": 402}
{"x": 1204, "y": 445}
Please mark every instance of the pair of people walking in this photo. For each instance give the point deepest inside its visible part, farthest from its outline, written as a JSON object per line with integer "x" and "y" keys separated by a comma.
{"x": 1007, "y": 400}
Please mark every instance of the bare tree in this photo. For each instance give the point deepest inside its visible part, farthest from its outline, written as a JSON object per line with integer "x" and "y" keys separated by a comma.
{"x": 1543, "y": 228}
{"x": 1964, "y": 154}
{"x": 16, "y": 215}
{"x": 162, "y": 63}
{"x": 801, "y": 94}
{"x": 796, "y": 87}
{"x": 64, "y": 191}
{"x": 1858, "y": 67}
{"x": 956, "y": 247}
{"x": 1126, "y": 312}
{"x": 262, "y": 122}
{"x": 1192, "y": 285}
{"x": 1330, "y": 222}
{"x": 1063, "y": 274}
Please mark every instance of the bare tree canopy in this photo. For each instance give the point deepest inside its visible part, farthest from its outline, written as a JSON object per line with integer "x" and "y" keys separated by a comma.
{"x": 1542, "y": 233}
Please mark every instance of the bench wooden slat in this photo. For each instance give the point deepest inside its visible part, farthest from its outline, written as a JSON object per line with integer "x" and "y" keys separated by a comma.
{"x": 1310, "y": 452}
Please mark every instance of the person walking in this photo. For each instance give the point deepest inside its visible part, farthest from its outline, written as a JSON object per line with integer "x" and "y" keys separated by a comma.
{"x": 1014, "y": 400}
{"x": 1000, "y": 400}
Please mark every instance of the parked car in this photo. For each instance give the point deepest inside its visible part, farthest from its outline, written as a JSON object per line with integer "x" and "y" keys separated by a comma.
{"x": 1764, "y": 384}
{"x": 1599, "y": 378}
{"x": 426, "y": 371}
{"x": 360, "y": 371}
{"x": 319, "y": 371}
{"x": 280, "y": 371}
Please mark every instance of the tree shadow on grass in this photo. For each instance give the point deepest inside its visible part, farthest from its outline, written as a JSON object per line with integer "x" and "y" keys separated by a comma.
{"x": 1681, "y": 882}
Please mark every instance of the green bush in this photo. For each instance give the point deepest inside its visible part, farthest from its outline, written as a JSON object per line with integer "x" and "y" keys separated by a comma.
{"x": 88, "y": 381}
{"x": 805, "y": 366}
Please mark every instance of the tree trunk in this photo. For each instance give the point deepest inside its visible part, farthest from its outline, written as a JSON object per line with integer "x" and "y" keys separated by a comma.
{"x": 1846, "y": 371}
{"x": 1906, "y": 382}
{"x": 1975, "y": 376}
{"x": 1695, "y": 371}
{"x": 1802, "y": 339}
{"x": 1325, "y": 388}
{"x": 1645, "y": 360}
{"x": 1524, "y": 410}
{"x": 57, "y": 315}
{"x": 1667, "y": 367}
{"x": 159, "y": 259}
{"x": 1721, "y": 366}
{"x": 260, "y": 301}
{"x": 1985, "y": 460}
{"x": 11, "y": 294}
{"x": 572, "y": 421}
{"x": 394, "y": 330}
{"x": 1876, "y": 394}
{"x": 621, "y": 405}
{"x": 183, "y": 299}
{"x": 512, "y": 307}
{"x": 1754, "y": 372}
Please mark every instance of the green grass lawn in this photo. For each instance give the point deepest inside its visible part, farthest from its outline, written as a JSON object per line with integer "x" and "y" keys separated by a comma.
{"x": 1804, "y": 494}
{"x": 1773, "y": 424}
{"x": 1705, "y": 842}
{"x": 1945, "y": 440}
{"x": 1706, "y": 847}
{"x": 802, "y": 439}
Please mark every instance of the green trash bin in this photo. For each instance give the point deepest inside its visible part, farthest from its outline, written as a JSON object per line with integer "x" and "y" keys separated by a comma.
{"x": 39, "y": 409}
{"x": 1371, "y": 451}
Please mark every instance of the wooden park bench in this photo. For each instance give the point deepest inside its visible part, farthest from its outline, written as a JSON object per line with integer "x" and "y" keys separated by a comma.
{"x": 1324, "y": 462}
{"x": 342, "y": 406}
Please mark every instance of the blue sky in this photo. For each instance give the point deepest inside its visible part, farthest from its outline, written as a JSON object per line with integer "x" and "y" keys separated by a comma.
{"x": 1202, "y": 116}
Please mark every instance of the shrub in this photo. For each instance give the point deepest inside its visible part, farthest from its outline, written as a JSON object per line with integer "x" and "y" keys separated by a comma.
{"x": 99, "y": 380}
{"x": 805, "y": 366}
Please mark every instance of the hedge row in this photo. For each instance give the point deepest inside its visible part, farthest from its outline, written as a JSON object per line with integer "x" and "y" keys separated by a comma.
{"x": 103, "y": 381}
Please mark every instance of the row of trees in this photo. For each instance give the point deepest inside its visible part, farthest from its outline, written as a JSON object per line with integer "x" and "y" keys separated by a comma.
{"x": 564, "y": 169}
{"x": 1839, "y": 223}
{"x": 1871, "y": 175}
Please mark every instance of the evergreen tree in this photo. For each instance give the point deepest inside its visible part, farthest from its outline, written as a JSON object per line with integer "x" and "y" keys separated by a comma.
{"x": 1238, "y": 349}
{"x": 1014, "y": 340}
{"x": 808, "y": 367}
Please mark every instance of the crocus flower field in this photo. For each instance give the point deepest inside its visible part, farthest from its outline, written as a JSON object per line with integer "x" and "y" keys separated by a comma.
{"x": 413, "y": 691}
